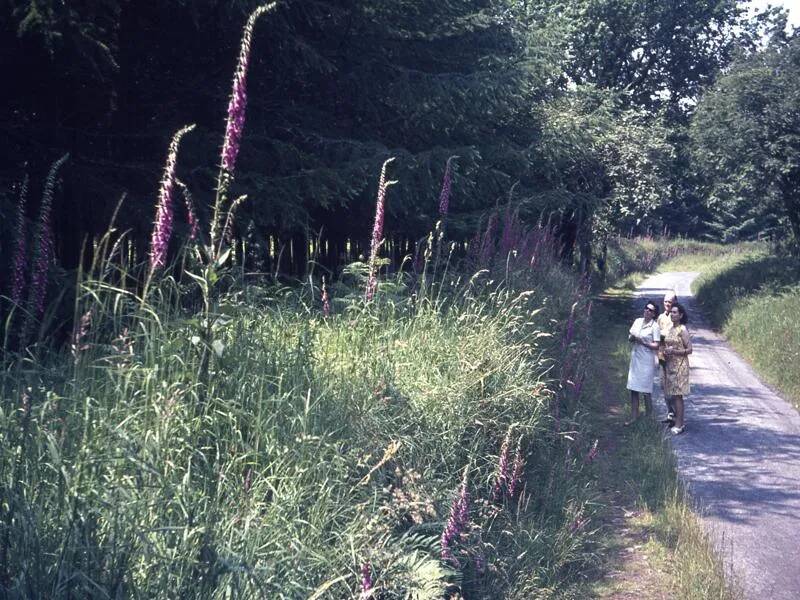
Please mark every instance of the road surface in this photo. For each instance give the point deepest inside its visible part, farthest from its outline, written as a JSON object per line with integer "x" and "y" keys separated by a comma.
{"x": 739, "y": 457}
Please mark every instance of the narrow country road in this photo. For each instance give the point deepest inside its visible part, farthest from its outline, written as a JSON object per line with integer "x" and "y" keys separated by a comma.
{"x": 739, "y": 457}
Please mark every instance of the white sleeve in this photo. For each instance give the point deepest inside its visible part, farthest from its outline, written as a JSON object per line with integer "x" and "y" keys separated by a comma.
{"x": 656, "y": 333}
{"x": 635, "y": 328}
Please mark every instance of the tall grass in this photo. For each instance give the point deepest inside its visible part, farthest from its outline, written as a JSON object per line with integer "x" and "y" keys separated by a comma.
{"x": 261, "y": 449}
{"x": 754, "y": 298}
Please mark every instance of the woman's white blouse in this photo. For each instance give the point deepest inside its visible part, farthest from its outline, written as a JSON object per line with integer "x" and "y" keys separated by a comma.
{"x": 643, "y": 360}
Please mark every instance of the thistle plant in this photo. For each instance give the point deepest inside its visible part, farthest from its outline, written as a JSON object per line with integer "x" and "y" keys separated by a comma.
{"x": 162, "y": 228}
{"x": 237, "y": 107}
{"x": 19, "y": 259}
{"x": 377, "y": 232}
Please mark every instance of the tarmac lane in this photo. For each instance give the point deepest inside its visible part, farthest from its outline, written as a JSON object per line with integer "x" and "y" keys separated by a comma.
{"x": 739, "y": 457}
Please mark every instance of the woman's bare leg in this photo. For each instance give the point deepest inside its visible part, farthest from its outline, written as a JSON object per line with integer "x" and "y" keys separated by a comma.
{"x": 667, "y": 398}
{"x": 677, "y": 402}
{"x": 648, "y": 404}
{"x": 634, "y": 407}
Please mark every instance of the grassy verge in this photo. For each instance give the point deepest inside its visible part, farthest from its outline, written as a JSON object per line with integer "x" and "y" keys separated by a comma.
{"x": 753, "y": 297}
{"x": 654, "y": 543}
{"x": 421, "y": 445}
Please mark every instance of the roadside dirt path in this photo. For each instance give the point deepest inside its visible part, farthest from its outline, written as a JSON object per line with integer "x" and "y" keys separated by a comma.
{"x": 739, "y": 458}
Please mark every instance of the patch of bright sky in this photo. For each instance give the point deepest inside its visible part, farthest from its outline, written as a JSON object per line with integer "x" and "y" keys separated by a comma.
{"x": 793, "y": 6}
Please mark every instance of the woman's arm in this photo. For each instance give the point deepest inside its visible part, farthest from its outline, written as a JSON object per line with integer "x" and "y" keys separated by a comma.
{"x": 648, "y": 343}
{"x": 687, "y": 346}
{"x": 687, "y": 341}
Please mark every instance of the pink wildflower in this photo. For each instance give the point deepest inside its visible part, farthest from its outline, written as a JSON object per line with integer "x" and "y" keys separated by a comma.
{"x": 191, "y": 214}
{"x": 487, "y": 248}
{"x": 366, "y": 580}
{"x": 517, "y": 470}
{"x": 18, "y": 262}
{"x": 570, "y": 331}
{"x": 593, "y": 453}
{"x": 238, "y": 101}
{"x": 457, "y": 521}
{"x": 502, "y": 477}
{"x": 162, "y": 229}
{"x": 326, "y": 303}
{"x": 377, "y": 232}
{"x": 43, "y": 253}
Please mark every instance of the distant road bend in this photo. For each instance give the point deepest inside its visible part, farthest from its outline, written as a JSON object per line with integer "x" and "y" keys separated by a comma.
{"x": 739, "y": 458}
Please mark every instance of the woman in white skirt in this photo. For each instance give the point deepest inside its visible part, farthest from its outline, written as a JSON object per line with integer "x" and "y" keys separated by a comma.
{"x": 644, "y": 336}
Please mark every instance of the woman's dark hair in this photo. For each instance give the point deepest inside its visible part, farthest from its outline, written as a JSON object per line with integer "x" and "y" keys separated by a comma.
{"x": 684, "y": 314}
{"x": 655, "y": 306}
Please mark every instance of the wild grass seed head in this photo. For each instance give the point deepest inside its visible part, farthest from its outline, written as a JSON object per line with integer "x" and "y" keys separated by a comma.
{"x": 79, "y": 333}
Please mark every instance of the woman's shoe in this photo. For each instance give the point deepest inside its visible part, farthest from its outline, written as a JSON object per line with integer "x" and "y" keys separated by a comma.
{"x": 670, "y": 420}
{"x": 677, "y": 430}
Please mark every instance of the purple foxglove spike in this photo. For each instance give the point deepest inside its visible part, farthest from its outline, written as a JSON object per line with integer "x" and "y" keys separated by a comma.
{"x": 517, "y": 470}
{"x": 570, "y": 331}
{"x": 162, "y": 228}
{"x": 377, "y": 232}
{"x": 488, "y": 243}
{"x": 20, "y": 258}
{"x": 43, "y": 253}
{"x": 457, "y": 521}
{"x": 593, "y": 453}
{"x": 326, "y": 303}
{"x": 447, "y": 185}
{"x": 501, "y": 479}
{"x": 366, "y": 580}
{"x": 238, "y": 102}
{"x": 191, "y": 214}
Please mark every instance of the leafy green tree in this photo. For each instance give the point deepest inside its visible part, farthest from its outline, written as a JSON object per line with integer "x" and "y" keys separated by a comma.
{"x": 654, "y": 53}
{"x": 746, "y": 133}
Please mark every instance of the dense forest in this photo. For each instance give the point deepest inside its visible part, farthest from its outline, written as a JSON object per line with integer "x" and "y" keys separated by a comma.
{"x": 598, "y": 116}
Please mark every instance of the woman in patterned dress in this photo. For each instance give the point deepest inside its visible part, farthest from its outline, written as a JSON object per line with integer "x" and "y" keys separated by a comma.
{"x": 677, "y": 348}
